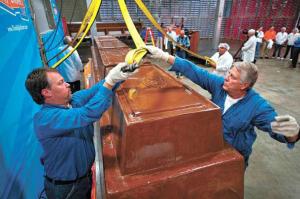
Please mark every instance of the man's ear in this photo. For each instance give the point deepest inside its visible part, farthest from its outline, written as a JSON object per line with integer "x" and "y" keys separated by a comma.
{"x": 46, "y": 92}
{"x": 245, "y": 86}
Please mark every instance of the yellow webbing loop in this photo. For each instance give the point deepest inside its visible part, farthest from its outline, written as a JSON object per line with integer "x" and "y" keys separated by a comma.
{"x": 135, "y": 55}
{"x": 153, "y": 21}
{"x": 85, "y": 26}
{"x": 209, "y": 60}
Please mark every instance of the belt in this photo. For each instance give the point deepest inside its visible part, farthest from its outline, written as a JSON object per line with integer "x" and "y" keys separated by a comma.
{"x": 64, "y": 182}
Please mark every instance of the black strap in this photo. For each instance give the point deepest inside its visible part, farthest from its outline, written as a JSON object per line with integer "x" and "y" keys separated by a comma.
{"x": 64, "y": 182}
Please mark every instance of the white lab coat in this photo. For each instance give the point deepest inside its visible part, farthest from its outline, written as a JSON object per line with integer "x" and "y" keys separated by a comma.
{"x": 173, "y": 35}
{"x": 260, "y": 35}
{"x": 248, "y": 49}
{"x": 281, "y": 37}
{"x": 291, "y": 39}
{"x": 223, "y": 63}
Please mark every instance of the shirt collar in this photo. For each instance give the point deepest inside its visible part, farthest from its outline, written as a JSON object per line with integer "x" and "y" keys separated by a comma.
{"x": 57, "y": 106}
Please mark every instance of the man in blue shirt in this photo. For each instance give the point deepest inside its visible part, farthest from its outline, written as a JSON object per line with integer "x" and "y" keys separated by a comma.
{"x": 143, "y": 33}
{"x": 296, "y": 50}
{"x": 242, "y": 108}
{"x": 64, "y": 127}
{"x": 183, "y": 41}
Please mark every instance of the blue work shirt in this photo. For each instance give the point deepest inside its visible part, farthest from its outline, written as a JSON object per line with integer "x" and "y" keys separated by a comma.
{"x": 297, "y": 42}
{"x": 184, "y": 41}
{"x": 143, "y": 33}
{"x": 241, "y": 118}
{"x": 66, "y": 134}
{"x": 159, "y": 34}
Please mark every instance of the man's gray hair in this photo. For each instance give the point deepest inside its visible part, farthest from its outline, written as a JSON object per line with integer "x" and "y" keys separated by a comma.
{"x": 248, "y": 71}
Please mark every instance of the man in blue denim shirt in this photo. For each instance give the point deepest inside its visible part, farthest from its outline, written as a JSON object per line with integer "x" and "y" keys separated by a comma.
{"x": 184, "y": 41}
{"x": 64, "y": 127}
{"x": 242, "y": 108}
{"x": 296, "y": 50}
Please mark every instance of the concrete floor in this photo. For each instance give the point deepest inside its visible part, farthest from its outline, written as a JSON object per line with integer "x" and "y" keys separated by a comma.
{"x": 273, "y": 171}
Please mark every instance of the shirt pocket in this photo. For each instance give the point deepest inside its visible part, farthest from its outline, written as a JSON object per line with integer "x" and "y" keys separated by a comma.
{"x": 238, "y": 125}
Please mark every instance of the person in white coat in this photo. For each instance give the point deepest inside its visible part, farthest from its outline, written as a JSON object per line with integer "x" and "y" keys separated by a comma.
{"x": 248, "y": 49}
{"x": 169, "y": 45}
{"x": 290, "y": 43}
{"x": 223, "y": 60}
{"x": 280, "y": 40}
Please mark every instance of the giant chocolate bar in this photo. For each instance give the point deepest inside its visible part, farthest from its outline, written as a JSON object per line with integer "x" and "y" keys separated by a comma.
{"x": 165, "y": 123}
{"x": 166, "y": 140}
{"x": 218, "y": 175}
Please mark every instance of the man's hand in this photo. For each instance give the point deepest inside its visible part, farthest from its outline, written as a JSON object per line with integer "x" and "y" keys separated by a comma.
{"x": 157, "y": 53}
{"x": 211, "y": 62}
{"x": 116, "y": 75}
{"x": 285, "y": 125}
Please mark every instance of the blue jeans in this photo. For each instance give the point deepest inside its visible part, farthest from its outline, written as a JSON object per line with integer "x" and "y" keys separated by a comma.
{"x": 257, "y": 50}
{"x": 79, "y": 189}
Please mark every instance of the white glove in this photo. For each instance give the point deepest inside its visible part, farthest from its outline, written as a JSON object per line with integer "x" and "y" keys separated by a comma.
{"x": 157, "y": 53}
{"x": 285, "y": 125}
{"x": 115, "y": 75}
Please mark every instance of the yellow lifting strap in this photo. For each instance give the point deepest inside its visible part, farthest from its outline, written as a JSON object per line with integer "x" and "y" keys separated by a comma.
{"x": 153, "y": 21}
{"x": 135, "y": 55}
{"x": 85, "y": 27}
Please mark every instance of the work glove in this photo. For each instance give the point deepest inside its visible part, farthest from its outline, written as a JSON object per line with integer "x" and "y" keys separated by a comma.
{"x": 157, "y": 53}
{"x": 116, "y": 75}
{"x": 285, "y": 125}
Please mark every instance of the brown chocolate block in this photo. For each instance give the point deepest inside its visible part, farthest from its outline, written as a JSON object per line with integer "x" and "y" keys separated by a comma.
{"x": 111, "y": 57}
{"x": 165, "y": 124}
{"x": 110, "y": 51}
{"x": 96, "y": 62}
{"x": 218, "y": 175}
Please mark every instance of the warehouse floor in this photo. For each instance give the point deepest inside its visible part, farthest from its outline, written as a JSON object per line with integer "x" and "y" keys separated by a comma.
{"x": 273, "y": 170}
